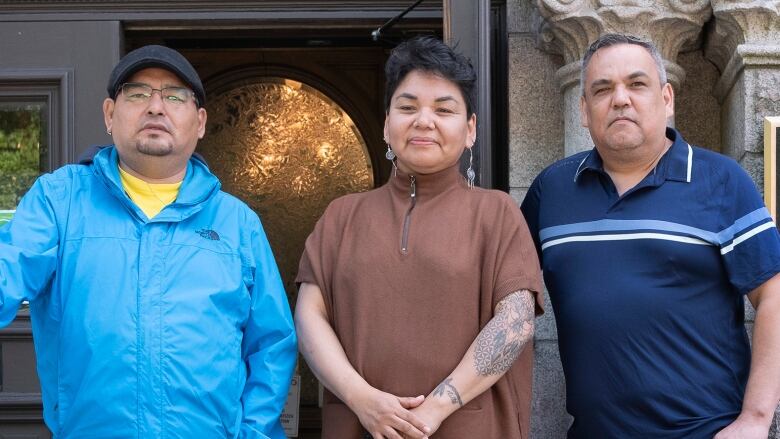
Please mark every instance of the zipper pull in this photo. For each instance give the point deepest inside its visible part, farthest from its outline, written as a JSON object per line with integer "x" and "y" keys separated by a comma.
{"x": 414, "y": 186}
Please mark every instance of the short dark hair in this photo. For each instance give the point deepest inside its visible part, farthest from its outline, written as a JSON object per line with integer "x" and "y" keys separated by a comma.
{"x": 431, "y": 55}
{"x": 608, "y": 40}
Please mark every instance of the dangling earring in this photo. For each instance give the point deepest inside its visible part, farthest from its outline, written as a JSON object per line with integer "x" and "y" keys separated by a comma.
{"x": 109, "y": 131}
{"x": 390, "y": 155}
{"x": 470, "y": 174}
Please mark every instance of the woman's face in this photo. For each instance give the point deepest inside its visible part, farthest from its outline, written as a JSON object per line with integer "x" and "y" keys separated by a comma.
{"x": 427, "y": 123}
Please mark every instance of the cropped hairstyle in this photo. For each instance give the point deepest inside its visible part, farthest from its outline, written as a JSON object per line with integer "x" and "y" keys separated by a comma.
{"x": 430, "y": 55}
{"x": 608, "y": 40}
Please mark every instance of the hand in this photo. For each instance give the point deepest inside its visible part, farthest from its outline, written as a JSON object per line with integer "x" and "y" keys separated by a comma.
{"x": 743, "y": 428}
{"x": 387, "y": 416}
{"x": 428, "y": 414}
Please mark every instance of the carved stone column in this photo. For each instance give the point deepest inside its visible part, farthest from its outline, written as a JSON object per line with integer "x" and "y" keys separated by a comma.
{"x": 745, "y": 45}
{"x": 567, "y": 27}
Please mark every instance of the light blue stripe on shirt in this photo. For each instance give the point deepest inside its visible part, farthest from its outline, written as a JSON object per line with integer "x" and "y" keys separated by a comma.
{"x": 609, "y": 225}
{"x": 743, "y": 223}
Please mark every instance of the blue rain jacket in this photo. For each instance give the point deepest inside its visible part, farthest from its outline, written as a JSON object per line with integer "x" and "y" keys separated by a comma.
{"x": 174, "y": 327}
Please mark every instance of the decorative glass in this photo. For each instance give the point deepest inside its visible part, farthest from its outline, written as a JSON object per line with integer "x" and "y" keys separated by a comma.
{"x": 286, "y": 150}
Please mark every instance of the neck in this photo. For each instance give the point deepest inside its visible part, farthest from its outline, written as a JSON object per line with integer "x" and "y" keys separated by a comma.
{"x": 428, "y": 184}
{"x": 626, "y": 170}
{"x": 154, "y": 174}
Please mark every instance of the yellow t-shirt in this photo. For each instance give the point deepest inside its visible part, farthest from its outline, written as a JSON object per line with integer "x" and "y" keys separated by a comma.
{"x": 151, "y": 198}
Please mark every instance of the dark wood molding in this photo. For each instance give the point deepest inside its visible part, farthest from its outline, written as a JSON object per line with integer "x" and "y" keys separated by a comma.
{"x": 57, "y": 87}
{"x": 499, "y": 51}
{"x": 19, "y": 329}
{"x": 269, "y": 10}
{"x": 467, "y": 26}
{"x": 20, "y": 408}
{"x": 484, "y": 107}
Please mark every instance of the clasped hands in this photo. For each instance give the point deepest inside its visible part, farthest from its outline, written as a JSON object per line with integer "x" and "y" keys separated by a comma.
{"x": 386, "y": 416}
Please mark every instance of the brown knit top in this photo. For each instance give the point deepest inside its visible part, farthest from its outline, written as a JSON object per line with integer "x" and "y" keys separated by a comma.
{"x": 410, "y": 273}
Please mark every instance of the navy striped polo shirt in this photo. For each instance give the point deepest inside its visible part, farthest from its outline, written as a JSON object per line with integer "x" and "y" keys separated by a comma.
{"x": 647, "y": 289}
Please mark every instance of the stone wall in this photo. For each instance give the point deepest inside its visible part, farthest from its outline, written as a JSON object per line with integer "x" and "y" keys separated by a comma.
{"x": 536, "y": 140}
{"x": 723, "y": 60}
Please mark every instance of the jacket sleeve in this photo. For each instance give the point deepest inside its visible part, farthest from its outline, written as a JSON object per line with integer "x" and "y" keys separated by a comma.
{"x": 28, "y": 251}
{"x": 269, "y": 346}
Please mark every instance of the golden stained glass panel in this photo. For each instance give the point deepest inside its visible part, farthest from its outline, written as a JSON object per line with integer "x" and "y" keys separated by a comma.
{"x": 286, "y": 150}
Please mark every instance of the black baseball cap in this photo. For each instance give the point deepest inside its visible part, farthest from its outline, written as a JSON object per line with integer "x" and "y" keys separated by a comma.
{"x": 155, "y": 56}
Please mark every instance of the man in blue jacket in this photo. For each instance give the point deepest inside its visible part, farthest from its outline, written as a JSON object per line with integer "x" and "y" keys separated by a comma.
{"x": 156, "y": 304}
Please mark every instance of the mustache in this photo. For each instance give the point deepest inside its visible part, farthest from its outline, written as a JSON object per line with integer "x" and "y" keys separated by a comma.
{"x": 156, "y": 124}
{"x": 622, "y": 117}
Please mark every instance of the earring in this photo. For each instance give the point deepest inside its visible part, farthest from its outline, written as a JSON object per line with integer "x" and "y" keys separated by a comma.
{"x": 109, "y": 131}
{"x": 470, "y": 174}
{"x": 390, "y": 155}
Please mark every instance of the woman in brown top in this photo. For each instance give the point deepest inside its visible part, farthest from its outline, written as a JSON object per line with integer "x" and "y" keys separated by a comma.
{"x": 416, "y": 298}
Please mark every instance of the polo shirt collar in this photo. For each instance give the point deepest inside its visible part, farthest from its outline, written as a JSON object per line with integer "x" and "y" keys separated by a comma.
{"x": 675, "y": 165}
{"x": 678, "y": 161}
{"x": 591, "y": 162}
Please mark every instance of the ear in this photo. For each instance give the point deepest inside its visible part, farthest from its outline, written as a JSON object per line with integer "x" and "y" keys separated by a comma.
{"x": 108, "y": 113}
{"x": 385, "y": 131}
{"x": 583, "y": 113}
{"x": 472, "y": 129}
{"x": 201, "y": 122}
{"x": 668, "y": 94}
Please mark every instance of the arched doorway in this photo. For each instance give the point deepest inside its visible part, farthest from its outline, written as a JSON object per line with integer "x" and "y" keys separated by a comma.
{"x": 287, "y": 149}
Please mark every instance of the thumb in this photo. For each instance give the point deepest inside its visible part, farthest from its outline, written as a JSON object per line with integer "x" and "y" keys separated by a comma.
{"x": 410, "y": 402}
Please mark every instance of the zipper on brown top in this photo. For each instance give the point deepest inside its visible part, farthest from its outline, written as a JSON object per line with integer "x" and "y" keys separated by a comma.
{"x": 408, "y": 218}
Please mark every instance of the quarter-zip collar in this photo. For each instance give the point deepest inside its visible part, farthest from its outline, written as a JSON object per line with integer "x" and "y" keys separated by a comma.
{"x": 427, "y": 185}
{"x": 410, "y": 189}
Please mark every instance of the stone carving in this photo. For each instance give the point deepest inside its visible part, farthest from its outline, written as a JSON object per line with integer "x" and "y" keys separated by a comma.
{"x": 568, "y": 26}
{"x": 745, "y": 33}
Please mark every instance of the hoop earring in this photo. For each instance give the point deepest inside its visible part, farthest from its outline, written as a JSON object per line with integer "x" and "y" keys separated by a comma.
{"x": 470, "y": 174}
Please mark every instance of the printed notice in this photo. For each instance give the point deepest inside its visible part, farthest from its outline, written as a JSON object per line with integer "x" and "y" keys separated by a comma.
{"x": 290, "y": 414}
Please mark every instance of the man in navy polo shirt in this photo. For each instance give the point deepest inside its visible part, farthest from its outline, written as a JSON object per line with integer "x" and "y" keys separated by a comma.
{"x": 648, "y": 245}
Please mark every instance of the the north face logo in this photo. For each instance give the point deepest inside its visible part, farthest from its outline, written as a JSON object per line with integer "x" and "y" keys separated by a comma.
{"x": 208, "y": 234}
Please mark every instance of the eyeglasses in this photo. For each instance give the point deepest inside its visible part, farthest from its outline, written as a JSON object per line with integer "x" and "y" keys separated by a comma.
{"x": 137, "y": 92}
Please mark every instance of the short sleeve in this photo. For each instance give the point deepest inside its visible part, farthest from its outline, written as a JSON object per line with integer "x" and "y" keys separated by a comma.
{"x": 749, "y": 239}
{"x": 530, "y": 210}
{"x": 516, "y": 262}
{"x": 317, "y": 259}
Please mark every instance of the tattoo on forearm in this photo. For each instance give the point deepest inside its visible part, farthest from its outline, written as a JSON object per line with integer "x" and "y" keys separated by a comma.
{"x": 446, "y": 387}
{"x": 500, "y": 342}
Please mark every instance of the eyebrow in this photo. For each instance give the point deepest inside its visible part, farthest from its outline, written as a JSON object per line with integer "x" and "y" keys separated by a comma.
{"x": 603, "y": 81}
{"x": 439, "y": 99}
{"x": 599, "y": 82}
{"x": 407, "y": 96}
{"x": 446, "y": 98}
{"x": 166, "y": 85}
{"x": 637, "y": 74}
